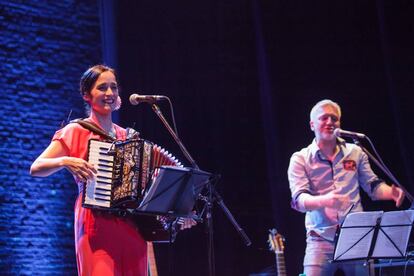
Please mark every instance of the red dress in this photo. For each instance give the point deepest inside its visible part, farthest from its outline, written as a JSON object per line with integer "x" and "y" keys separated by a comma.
{"x": 105, "y": 244}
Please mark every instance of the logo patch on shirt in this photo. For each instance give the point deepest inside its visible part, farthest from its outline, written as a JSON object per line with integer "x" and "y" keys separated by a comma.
{"x": 349, "y": 165}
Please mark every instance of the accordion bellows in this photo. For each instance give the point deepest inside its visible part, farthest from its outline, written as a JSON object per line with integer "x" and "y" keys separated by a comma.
{"x": 124, "y": 172}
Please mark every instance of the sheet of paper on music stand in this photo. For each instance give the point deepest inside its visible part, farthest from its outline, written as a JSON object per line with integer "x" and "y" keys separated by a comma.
{"x": 174, "y": 191}
{"x": 356, "y": 236}
{"x": 394, "y": 234}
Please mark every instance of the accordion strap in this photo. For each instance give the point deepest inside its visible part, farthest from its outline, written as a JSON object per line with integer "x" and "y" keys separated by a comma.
{"x": 94, "y": 128}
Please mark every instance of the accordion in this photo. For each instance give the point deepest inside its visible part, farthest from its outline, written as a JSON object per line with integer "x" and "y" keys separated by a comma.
{"x": 124, "y": 172}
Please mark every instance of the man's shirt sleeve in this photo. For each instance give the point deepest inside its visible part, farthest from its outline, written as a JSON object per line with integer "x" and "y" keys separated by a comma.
{"x": 298, "y": 179}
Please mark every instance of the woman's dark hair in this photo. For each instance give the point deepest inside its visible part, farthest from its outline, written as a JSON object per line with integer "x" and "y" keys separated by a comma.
{"x": 91, "y": 75}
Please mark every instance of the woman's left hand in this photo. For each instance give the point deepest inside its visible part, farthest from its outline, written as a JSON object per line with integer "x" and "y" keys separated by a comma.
{"x": 187, "y": 223}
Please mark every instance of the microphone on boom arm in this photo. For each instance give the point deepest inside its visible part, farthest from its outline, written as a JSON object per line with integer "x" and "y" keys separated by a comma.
{"x": 135, "y": 99}
{"x": 345, "y": 133}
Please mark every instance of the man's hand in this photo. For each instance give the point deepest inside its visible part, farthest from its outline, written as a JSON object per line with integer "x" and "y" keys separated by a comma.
{"x": 335, "y": 200}
{"x": 385, "y": 192}
{"x": 397, "y": 195}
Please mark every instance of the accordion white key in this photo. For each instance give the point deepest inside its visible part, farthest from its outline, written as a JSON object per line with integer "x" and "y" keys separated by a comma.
{"x": 124, "y": 171}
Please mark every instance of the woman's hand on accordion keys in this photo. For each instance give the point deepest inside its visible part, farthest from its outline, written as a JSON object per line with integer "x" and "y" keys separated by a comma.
{"x": 81, "y": 169}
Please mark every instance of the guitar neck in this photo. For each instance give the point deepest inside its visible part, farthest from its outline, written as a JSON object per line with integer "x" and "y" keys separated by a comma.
{"x": 152, "y": 264}
{"x": 280, "y": 262}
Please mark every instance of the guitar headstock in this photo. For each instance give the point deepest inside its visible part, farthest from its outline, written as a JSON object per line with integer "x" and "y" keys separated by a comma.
{"x": 276, "y": 241}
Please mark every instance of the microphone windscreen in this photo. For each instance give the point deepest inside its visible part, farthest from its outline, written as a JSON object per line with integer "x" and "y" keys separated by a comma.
{"x": 337, "y": 132}
{"x": 133, "y": 99}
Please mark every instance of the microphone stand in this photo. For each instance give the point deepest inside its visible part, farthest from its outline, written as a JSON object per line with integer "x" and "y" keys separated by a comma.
{"x": 157, "y": 111}
{"x": 213, "y": 195}
{"x": 385, "y": 170}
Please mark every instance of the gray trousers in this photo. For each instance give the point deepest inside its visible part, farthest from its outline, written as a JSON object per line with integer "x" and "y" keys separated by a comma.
{"x": 318, "y": 257}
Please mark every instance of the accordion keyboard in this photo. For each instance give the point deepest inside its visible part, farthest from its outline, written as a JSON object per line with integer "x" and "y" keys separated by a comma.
{"x": 98, "y": 190}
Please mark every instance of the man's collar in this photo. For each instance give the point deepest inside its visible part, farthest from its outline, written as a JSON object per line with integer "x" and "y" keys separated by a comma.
{"x": 315, "y": 148}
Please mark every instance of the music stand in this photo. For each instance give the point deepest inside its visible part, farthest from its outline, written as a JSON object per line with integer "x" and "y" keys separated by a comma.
{"x": 174, "y": 192}
{"x": 374, "y": 235}
{"x": 393, "y": 237}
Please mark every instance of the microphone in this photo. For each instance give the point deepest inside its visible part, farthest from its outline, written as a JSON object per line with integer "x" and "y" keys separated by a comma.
{"x": 135, "y": 99}
{"x": 344, "y": 133}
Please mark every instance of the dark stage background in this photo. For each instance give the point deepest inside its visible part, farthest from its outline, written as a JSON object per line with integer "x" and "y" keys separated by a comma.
{"x": 243, "y": 76}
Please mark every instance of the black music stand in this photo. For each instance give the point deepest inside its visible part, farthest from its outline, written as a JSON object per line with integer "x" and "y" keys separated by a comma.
{"x": 174, "y": 192}
{"x": 374, "y": 235}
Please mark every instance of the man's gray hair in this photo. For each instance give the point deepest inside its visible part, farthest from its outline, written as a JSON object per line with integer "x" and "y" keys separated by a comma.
{"x": 325, "y": 103}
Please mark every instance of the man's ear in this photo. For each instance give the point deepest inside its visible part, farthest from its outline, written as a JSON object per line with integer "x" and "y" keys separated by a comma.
{"x": 311, "y": 126}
